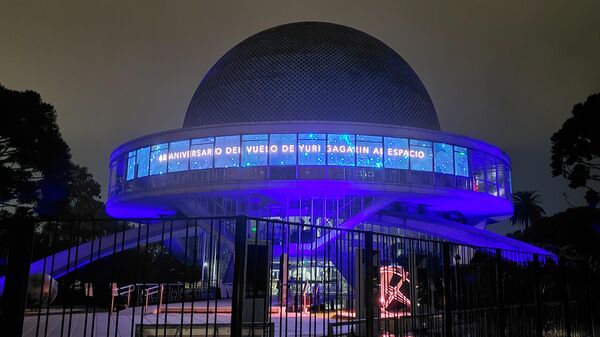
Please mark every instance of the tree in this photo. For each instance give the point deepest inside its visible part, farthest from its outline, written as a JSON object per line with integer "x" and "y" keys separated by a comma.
{"x": 576, "y": 149}
{"x": 574, "y": 233}
{"x": 34, "y": 159}
{"x": 526, "y": 208}
{"x": 83, "y": 195}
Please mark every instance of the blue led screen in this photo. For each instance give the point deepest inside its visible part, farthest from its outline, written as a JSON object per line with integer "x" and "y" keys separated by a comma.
{"x": 282, "y": 149}
{"x": 201, "y": 153}
{"x": 340, "y": 149}
{"x": 227, "y": 151}
{"x": 158, "y": 158}
{"x": 369, "y": 151}
{"x": 305, "y": 149}
{"x": 421, "y": 155}
{"x": 444, "y": 160}
{"x": 311, "y": 148}
{"x": 396, "y": 153}
{"x": 255, "y": 149}
{"x": 179, "y": 156}
{"x": 131, "y": 165}
{"x": 461, "y": 161}
{"x": 143, "y": 162}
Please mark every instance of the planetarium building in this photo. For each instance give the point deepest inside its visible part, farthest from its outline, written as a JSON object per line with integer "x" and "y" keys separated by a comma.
{"x": 319, "y": 124}
{"x": 310, "y": 192}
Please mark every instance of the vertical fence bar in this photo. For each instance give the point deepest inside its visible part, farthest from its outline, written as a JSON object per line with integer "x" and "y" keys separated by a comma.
{"x": 368, "y": 296}
{"x": 589, "y": 281}
{"x": 564, "y": 288}
{"x": 539, "y": 329}
{"x": 17, "y": 276}
{"x": 500, "y": 293}
{"x": 237, "y": 298}
{"x": 447, "y": 290}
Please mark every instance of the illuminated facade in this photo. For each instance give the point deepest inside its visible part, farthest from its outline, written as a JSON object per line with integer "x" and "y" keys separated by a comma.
{"x": 320, "y": 124}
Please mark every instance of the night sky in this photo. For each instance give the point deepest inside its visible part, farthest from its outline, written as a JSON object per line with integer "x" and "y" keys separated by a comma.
{"x": 507, "y": 73}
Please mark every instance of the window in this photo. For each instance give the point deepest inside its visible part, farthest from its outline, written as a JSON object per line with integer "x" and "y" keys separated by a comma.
{"x": 131, "y": 165}
{"x": 396, "y": 153}
{"x": 491, "y": 175}
{"x": 282, "y": 149}
{"x": 443, "y": 156}
{"x": 501, "y": 180}
{"x": 227, "y": 151}
{"x": 311, "y": 149}
{"x": 158, "y": 158}
{"x": 369, "y": 151}
{"x": 340, "y": 149}
{"x": 143, "y": 161}
{"x": 255, "y": 150}
{"x": 421, "y": 155}
{"x": 201, "y": 153}
{"x": 478, "y": 171}
{"x": 461, "y": 161}
{"x": 179, "y": 156}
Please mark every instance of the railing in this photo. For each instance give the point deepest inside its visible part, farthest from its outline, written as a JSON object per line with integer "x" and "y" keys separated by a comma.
{"x": 195, "y": 277}
{"x": 122, "y": 291}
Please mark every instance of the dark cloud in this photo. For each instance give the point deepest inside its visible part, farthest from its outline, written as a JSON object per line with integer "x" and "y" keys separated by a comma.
{"x": 505, "y": 72}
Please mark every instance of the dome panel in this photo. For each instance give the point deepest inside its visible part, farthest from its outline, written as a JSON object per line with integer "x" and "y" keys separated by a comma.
{"x": 312, "y": 71}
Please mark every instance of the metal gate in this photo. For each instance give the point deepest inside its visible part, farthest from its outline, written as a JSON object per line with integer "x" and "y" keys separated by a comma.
{"x": 241, "y": 276}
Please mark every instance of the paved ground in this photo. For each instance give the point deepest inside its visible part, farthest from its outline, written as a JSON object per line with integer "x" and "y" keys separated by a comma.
{"x": 122, "y": 323}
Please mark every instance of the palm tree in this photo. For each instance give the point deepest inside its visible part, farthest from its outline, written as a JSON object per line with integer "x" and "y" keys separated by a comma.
{"x": 527, "y": 208}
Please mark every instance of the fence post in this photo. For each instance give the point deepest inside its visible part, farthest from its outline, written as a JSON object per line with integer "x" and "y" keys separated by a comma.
{"x": 239, "y": 264}
{"x": 17, "y": 275}
{"x": 562, "y": 270}
{"x": 369, "y": 303}
{"x": 447, "y": 290}
{"x": 160, "y": 298}
{"x": 500, "y": 293}
{"x": 539, "y": 329}
{"x": 589, "y": 288}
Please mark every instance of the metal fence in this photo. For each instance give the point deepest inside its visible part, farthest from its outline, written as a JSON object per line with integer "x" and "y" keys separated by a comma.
{"x": 240, "y": 276}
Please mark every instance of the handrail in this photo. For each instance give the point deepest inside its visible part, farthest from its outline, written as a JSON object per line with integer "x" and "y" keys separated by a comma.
{"x": 127, "y": 289}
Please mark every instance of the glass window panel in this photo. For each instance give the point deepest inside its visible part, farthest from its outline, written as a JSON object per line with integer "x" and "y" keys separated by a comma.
{"x": 311, "y": 172}
{"x": 179, "y": 155}
{"x": 158, "y": 158}
{"x": 227, "y": 151}
{"x": 113, "y": 176}
{"x": 131, "y": 165}
{"x": 120, "y": 173}
{"x": 501, "y": 191}
{"x": 500, "y": 172}
{"x": 255, "y": 150}
{"x": 445, "y": 180}
{"x": 282, "y": 149}
{"x": 443, "y": 156}
{"x": 462, "y": 183}
{"x": 492, "y": 189}
{"x": 461, "y": 161}
{"x": 340, "y": 149}
{"x": 396, "y": 153}
{"x": 369, "y": 151}
{"x": 509, "y": 181}
{"x": 201, "y": 153}
{"x": 421, "y": 178}
{"x": 421, "y": 155}
{"x": 478, "y": 171}
{"x": 143, "y": 160}
{"x": 311, "y": 149}
{"x": 490, "y": 164}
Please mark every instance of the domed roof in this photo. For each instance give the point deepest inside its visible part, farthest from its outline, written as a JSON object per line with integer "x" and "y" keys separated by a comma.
{"x": 309, "y": 71}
